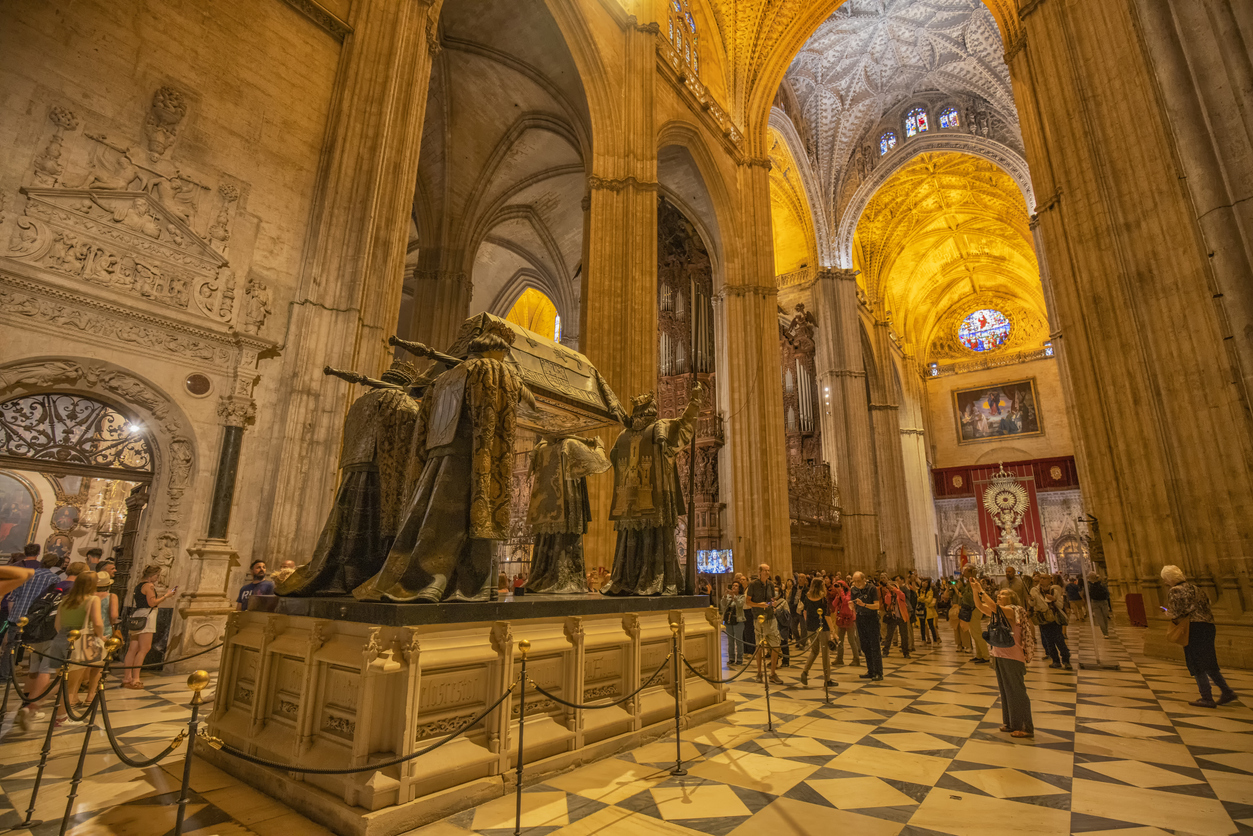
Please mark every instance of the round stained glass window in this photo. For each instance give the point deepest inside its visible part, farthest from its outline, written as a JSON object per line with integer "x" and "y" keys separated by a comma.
{"x": 984, "y": 330}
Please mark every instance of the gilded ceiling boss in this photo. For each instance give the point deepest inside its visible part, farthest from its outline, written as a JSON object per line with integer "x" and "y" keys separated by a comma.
{"x": 647, "y": 500}
{"x": 463, "y": 451}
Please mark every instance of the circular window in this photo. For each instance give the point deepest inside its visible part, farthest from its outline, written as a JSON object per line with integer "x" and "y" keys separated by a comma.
{"x": 984, "y": 330}
{"x": 198, "y": 384}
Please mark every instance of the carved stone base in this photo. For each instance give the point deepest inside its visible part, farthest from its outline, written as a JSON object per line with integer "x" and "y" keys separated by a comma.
{"x": 325, "y": 693}
{"x": 203, "y": 612}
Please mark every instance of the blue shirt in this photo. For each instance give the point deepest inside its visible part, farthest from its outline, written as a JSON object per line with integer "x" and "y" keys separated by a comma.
{"x": 21, "y": 598}
{"x": 265, "y": 587}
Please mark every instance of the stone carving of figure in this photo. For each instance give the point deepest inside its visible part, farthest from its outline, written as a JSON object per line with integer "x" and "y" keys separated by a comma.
{"x": 560, "y": 510}
{"x": 258, "y": 307}
{"x": 463, "y": 452}
{"x": 362, "y": 524}
{"x": 647, "y": 499}
{"x": 802, "y": 330}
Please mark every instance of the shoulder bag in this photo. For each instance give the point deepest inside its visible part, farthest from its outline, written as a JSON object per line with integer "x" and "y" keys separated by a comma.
{"x": 1178, "y": 631}
{"x": 1000, "y": 632}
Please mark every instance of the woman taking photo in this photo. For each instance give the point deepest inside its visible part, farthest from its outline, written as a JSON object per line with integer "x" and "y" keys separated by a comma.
{"x": 79, "y": 610}
{"x": 1188, "y": 601}
{"x": 732, "y": 607}
{"x": 1011, "y": 660}
{"x": 143, "y": 624}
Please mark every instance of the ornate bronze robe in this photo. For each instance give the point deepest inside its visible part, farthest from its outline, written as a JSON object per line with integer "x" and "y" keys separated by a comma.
{"x": 559, "y": 512}
{"x": 463, "y": 458}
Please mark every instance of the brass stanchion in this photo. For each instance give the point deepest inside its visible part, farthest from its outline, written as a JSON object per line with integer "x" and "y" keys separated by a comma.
{"x": 111, "y": 647}
{"x": 678, "y": 770}
{"x": 525, "y": 647}
{"x": 196, "y": 682}
{"x": 826, "y": 670}
{"x": 61, "y": 694}
{"x": 15, "y": 641}
{"x": 763, "y": 663}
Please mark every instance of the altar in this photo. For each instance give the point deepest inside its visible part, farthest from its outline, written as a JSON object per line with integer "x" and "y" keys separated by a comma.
{"x": 337, "y": 683}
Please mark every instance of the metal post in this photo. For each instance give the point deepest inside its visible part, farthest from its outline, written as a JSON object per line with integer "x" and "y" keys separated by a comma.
{"x": 826, "y": 689}
{"x": 1096, "y": 650}
{"x": 678, "y": 770}
{"x": 82, "y": 758}
{"x": 52, "y": 722}
{"x": 196, "y": 682}
{"x": 110, "y": 647}
{"x": 764, "y": 662}
{"x": 525, "y": 647}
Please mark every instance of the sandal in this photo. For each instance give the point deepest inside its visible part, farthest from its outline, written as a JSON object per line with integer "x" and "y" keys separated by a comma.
{"x": 1006, "y": 729}
{"x": 1020, "y": 734}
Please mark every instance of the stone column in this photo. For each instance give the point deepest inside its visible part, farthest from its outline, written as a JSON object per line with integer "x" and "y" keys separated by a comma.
{"x": 205, "y": 607}
{"x": 749, "y": 367}
{"x": 442, "y": 304}
{"x": 917, "y": 469}
{"x": 846, "y": 415}
{"x": 350, "y": 286}
{"x": 885, "y": 421}
{"x": 1166, "y": 451}
{"x": 618, "y": 314}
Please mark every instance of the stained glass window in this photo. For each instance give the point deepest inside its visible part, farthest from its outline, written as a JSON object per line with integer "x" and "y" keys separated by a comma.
{"x": 557, "y": 328}
{"x": 887, "y": 142}
{"x": 915, "y": 122}
{"x": 948, "y": 118}
{"x": 681, "y": 20}
{"x": 984, "y": 330}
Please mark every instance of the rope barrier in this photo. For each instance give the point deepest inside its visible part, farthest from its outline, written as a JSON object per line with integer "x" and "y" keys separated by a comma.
{"x": 287, "y": 767}
{"x": 22, "y": 694}
{"x": 104, "y": 662}
{"x": 590, "y": 706}
{"x": 747, "y": 668}
{"x": 117, "y": 746}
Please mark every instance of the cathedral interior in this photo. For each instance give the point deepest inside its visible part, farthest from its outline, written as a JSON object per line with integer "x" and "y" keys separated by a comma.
{"x": 905, "y": 287}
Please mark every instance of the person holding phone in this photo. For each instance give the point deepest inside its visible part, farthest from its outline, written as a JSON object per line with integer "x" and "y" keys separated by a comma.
{"x": 142, "y": 624}
{"x": 1010, "y": 663}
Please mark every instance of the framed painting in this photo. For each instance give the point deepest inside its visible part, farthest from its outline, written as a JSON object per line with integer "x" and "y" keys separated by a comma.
{"x": 999, "y": 411}
{"x": 18, "y": 514}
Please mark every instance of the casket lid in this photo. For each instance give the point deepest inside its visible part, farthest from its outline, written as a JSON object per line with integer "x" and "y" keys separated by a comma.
{"x": 549, "y": 369}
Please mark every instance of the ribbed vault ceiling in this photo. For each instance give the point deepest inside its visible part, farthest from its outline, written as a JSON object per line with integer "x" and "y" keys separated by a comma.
{"x": 949, "y": 232}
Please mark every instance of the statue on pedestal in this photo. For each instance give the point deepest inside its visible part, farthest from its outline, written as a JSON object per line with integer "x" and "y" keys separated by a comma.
{"x": 463, "y": 455}
{"x": 559, "y": 511}
{"x": 647, "y": 498}
{"x": 359, "y": 530}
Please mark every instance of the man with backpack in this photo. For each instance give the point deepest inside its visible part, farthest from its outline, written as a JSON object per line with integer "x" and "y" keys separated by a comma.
{"x": 845, "y": 623}
{"x": 39, "y": 633}
{"x": 896, "y": 613}
{"x": 20, "y": 599}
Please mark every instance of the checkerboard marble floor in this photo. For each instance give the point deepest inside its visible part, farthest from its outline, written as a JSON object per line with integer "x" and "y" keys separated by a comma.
{"x": 919, "y": 753}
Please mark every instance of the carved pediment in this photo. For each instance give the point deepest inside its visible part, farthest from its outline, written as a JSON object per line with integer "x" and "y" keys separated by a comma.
{"x": 128, "y": 242}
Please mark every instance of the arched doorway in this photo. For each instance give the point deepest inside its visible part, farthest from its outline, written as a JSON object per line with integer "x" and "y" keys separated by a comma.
{"x": 87, "y": 462}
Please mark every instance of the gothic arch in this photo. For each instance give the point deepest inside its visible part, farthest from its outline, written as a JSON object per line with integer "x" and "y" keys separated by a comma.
{"x": 174, "y": 448}
{"x": 1004, "y": 157}
{"x": 781, "y": 122}
{"x": 708, "y": 206}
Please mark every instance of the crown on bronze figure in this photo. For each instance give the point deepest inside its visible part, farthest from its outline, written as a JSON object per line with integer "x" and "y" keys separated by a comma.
{"x": 640, "y": 403}
{"x": 402, "y": 373}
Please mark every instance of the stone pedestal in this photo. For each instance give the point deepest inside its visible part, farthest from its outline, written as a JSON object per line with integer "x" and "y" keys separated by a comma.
{"x": 301, "y": 688}
{"x": 204, "y": 611}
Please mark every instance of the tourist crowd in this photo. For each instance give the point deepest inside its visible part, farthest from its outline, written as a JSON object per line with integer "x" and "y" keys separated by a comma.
{"x": 866, "y": 618}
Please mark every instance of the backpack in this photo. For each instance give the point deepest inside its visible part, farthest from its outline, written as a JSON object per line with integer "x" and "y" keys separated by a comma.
{"x": 844, "y": 615}
{"x": 41, "y": 617}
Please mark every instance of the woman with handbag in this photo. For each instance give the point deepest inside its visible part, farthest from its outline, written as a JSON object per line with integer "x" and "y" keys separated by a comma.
{"x": 1193, "y": 627}
{"x": 1048, "y": 613}
{"x": 732, "y": 607}
{"x": 79, "y": 610}
{"x": 142, "y": 624}
{"x": 1012, "y": 645}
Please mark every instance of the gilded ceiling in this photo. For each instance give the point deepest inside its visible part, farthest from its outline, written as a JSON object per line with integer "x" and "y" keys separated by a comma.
{"x": 947, "y": 234}
{"x": 871, "y": 56}
{"x": 793, "y": 227}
